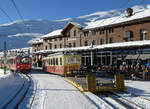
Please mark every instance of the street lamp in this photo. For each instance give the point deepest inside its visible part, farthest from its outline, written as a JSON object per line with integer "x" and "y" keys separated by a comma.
{"x": 92, "y": 55}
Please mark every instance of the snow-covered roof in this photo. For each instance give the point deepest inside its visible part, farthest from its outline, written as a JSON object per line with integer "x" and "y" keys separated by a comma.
{"x": 36, "y": 41}
{"x": 104, "y": 46}
{"x": 124, "y": 44}
{"x": 119, "y": 19}
{"x": 72, "y": 23}
{"x": 53, "y": 33}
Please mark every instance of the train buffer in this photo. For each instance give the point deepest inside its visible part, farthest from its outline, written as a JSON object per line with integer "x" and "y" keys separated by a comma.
{"x": 96, "y": 84}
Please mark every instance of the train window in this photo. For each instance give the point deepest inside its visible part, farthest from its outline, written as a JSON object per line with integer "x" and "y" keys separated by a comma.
{"x": 25, "y": 60}
{"x": 14, "y": 61}
{"x": 56, "y": 61}
{"x": 60, "y": 61}
{"x": 53, "y": 61}
{"x": 18, "y": 61}
{"x": 49, "y": 62}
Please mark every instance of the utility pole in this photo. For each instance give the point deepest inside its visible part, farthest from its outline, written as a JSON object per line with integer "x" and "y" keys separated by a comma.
{"x": 5, "y": 58}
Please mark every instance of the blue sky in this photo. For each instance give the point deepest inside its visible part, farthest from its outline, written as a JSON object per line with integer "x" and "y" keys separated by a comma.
{"x": 60, "y": 9}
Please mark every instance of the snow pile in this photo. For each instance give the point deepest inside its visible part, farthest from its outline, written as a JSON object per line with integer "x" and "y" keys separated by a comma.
{"x": 9, "y": 85}
{"x": 2, "y": 73}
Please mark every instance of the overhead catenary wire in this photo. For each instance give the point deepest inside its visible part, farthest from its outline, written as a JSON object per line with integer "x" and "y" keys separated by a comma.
{"x": 5, "y": 13}
{"x": 13, "y": 2}
{"x": 19, "y": 13}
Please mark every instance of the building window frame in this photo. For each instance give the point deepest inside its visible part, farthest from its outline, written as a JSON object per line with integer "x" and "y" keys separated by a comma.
{"x": 93, "y": 32}
{"x": 111, "y": 40}
{"x": 128, "y": 36}
{"x": 74, "y": 33}
{"x": 74, "y": 44}
{"x": 101, "y": 41}
{"x": 86, "y": 43}
{"x": 55, "y": 46}
{"x": 60, "y": 45}
{"x": 143, "y": 34}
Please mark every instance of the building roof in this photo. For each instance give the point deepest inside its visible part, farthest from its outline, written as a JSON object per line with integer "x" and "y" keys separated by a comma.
{"x": 71, "y": 24}
{"x": 119, "y": 19}
{"x": 36, "y": 41}
{"x": 124, "y": 44}
{"x": 53, "y": 34}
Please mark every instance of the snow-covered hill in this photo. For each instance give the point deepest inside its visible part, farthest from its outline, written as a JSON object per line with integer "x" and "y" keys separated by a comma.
{"x": 18, "y": 33}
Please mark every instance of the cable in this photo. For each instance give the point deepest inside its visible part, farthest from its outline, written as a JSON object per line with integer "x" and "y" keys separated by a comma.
{"x": 17, "y": 10}
{"x": 21, "y": 17}
{"x": 6, "y": 15}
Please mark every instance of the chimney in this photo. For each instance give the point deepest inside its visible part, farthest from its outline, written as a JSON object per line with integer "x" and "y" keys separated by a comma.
{"x": 129, "y": 12}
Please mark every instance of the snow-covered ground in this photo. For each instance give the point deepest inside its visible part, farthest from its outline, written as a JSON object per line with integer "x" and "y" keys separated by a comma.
{"x": 141, "y": 88}
{"x": 2, "y": 73}
{"x": 9, "y": 86}
{"x": 56, "y": 93}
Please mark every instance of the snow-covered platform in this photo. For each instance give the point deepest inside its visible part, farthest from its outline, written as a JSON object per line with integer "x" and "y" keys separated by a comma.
{"x": 54, "y": 92}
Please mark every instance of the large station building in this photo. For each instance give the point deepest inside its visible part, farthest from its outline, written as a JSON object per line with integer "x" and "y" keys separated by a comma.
{"x": 115, "y": 41}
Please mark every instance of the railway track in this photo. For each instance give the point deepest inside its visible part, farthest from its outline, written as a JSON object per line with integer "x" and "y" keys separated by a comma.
{"x": 114, "y": 102}
{"x": 20, "y": 95}
{"x": 139, "y": 101}
{"x": 125, "y": 103}
{"x": 137, "y": 95}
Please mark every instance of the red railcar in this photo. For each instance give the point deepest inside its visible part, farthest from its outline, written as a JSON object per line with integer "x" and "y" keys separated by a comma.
{"x": 20, "y": 64}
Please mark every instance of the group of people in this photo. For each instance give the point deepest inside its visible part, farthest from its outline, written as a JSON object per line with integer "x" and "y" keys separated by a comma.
{"x": 137, "y": 71}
